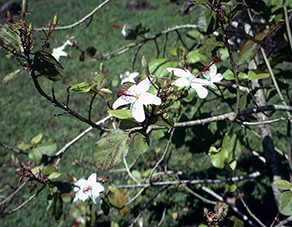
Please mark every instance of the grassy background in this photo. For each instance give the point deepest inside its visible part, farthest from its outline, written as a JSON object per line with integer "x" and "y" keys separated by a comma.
{"x": 24, "y": 113}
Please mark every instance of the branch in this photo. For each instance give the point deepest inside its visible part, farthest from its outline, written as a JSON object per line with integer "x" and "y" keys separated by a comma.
{"x": 88, "y": 16}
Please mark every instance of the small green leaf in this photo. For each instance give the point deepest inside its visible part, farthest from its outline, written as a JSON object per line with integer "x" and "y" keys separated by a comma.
{"x": 118, "y": 199}
{"x": 49, "y": 169}
{"x": 36, "y": 139}
{"x": 194, "y": 56}
{"x": 81, "y": 87}
{"x": 242, "y": 76}
{"x": 55, "y": 205}
{"x": 228, "y": 75}
{"x": 47, "y": 147}
{"x": 232, "y": 188}
{"x": 105, "y": 90}
{"x": 121, "y": 114}
{"x": 141, "y": 143}
{"x": 9, "y": 35}
{"x": 110, "y": 150}
{"x": 285, "y": 203}
{"x": 10, "y": 76}
{"x": 105, "y": 206}
{"x": 54, "y": 175}
{"x": 250, "y": 49}
{"x": 283, "y": 184}
{"x": 252, "y": 75}
{"x": 218, "y": 158}
{"x": 35, "y": 155}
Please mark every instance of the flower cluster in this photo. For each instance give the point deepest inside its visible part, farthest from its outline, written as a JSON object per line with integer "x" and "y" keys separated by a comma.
{"x": 88, "y": 188}
{"x": 138, "y": 95}
{"x": 187, "y": 79}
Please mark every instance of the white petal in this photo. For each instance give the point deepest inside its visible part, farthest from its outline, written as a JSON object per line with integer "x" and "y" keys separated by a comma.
{"x": 81, "y": 183}
{"x": 143, "y": 86}
{"x": 181, "y": 82}
{"x": 133, "y": 75}
{"x": 217, "y": 78}
{"x": 201, "y": 91}
{"x": 179, "y": 72}
{"x": 123, "y": 100}
{"x": 92, "y": 179}
{"x": 137, "y": 111}
{"x": 211, "y": 72}
{"x": 202, "y": 82}
{"x": 148, "y": 98}
{"x": 95, "y": 193}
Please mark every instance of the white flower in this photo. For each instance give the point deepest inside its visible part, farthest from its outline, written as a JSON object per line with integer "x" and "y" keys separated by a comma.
{"x": 88, "y": 188}
{"x": 138, "y": 96}
{"x": 187, "y": 79}
{"x": 59, "y": 52}
{"x": 212, "y": 75}
{"x": 125, "y": 30}
{"x": 128, "y": 77}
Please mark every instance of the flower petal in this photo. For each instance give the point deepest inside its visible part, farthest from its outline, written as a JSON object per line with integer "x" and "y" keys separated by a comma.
{"x": 181, "y": 82}
{"x": 123, "y": 100}
{"x": 201, "y": 91}
{"x": 95, "y": 192}
{"x": 143, "y": 86}
{"x": 148, "y": 98}
{"x": 217, "y": 78}
{"x": 92, "y": 179}
{"x": 179, "y": 72}
{"x": 202, "y": 82}
{"x": 137, "y": 111}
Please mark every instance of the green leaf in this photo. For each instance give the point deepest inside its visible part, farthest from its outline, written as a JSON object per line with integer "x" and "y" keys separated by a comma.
{"x": 35, "y": 155}
{"x": 81, "y": 87}
{"x": 285, "y": 203}
{"x": 55, "y": 205}
{"x": 218, "y": 157}
{"x": 228, "y": 75}
{"x": 141, "y": 143}
{"x": 47, "y": 69}
{"x": 250, "y": 49}
{"x": 121, "y": 113}
{"x": 232, "y": 188}
{"x": 47, "y": 147}
{"x": 110, "y": 150}
{"x": 10, "y": 37}
{"x": 158, "y": 67}
{"x": 210, "y": 44}
{"x": 54, "y": 175}
{"x": 242, "y": 76}
{"x": 49, "y": 169}
{"x": 105, "y": 90}
{"x": 118, "y": 199}
{"x": 194, "y": 56}
{"x": 282, "y": 184}
{"x": 252, "y": 75}
{"x": 36, "y": 139}
{"x": 127, "y": 124}
{"x": 47, "y": 57}
{"x": 10, "y": 76}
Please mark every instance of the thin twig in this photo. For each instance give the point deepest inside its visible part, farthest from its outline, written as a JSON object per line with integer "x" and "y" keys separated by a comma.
{"x": 88, "y": 16}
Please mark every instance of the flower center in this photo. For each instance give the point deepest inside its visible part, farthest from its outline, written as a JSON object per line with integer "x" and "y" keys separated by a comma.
{"x": 127, "y": 93}
{"x": 87, "y": 189}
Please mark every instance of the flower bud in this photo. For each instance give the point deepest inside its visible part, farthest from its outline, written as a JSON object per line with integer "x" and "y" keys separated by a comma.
{"x": 55, "y": 20}
{"x": 101, "y": 67}
{"x": 24, "y": 6}
{"x": 145, "y": 65}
